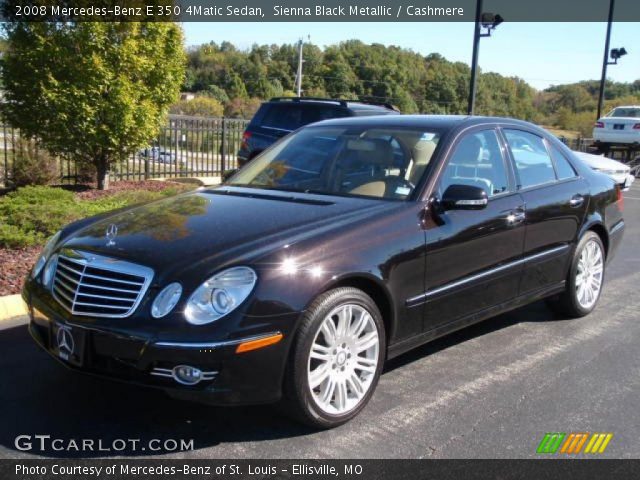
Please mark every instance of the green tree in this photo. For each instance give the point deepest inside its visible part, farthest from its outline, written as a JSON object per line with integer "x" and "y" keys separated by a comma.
{"x": 199, "y": 106}
{"x": 91, "y": 91}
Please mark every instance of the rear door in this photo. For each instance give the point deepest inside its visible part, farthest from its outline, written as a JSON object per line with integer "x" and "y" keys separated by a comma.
{"x": 556, "y": 199}
{"x": 474, "y": 256}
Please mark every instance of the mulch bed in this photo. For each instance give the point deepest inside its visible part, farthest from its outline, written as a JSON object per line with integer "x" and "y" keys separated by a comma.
{"x": 14, "y": 267}
{"x": 16, "y": 264}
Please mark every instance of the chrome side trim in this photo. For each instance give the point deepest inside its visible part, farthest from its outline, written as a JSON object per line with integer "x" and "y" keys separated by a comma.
{"x": 211, "y": 345}
{"x": 478, "y": 276}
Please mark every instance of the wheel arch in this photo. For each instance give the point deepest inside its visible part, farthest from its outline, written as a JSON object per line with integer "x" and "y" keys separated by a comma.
{"x": 373, "y": 287}
{"x": 599, "y": 229}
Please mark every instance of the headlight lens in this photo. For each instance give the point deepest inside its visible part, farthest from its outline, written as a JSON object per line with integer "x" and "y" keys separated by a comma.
{"x": 49, "y": 270}
{"x": 166, "y": 300}
{"x": 220, "y": 295}
{"x": 44, "y": 256}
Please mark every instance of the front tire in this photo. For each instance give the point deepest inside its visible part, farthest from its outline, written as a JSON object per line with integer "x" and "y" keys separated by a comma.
{"x": 585, "y": 279}
{"x": 337, "y": 358}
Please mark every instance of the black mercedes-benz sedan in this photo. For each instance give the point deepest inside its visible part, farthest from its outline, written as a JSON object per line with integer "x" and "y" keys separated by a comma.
{"x": 346, "y": 243}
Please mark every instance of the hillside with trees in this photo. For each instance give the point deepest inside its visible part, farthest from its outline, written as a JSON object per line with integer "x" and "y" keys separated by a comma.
{"x": 237, "y": 80}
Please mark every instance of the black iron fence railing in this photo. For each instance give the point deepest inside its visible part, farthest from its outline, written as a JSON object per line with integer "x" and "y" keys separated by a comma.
{"x": 185, "y": 147}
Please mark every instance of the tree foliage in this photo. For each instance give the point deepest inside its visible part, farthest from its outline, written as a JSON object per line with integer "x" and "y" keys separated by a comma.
{"x": 413, "y": 82}
{"x": 91, "y": 91}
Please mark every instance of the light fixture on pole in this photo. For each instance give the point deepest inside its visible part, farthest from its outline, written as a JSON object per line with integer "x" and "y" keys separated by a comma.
{"x": 488, "y": 22}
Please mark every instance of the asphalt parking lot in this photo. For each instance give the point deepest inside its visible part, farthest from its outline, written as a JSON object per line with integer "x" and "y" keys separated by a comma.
{"x": 490, "y": 391}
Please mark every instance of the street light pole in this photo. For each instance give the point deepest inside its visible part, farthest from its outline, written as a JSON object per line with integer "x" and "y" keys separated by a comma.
{"x": 605, "y": 60}
{"x": 474, "y": 59}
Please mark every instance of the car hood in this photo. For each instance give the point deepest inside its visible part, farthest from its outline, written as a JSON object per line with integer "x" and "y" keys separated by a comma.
{"x": 600, "y": 162}
{"x": 222, "y": 225}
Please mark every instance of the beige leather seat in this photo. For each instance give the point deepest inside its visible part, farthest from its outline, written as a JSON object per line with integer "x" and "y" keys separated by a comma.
{"x": 381, "y": 156}
{"x": 421, "y": 152}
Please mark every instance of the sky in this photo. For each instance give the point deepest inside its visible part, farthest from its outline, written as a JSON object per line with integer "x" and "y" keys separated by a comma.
{"x": 542, "y": 54}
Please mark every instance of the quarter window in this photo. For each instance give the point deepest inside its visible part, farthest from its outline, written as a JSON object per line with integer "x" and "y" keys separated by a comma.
{"x": 477, "y": 161}
{"x": 533, "y": 163}
{"x": 563, "y": 167}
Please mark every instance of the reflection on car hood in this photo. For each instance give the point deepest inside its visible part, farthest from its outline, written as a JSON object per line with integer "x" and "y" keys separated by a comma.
{"x": 600, "y": 162}
{"x": 223, "y": 224}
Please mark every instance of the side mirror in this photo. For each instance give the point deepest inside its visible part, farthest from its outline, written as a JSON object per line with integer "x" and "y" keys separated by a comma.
{"x": 464, "y": 197}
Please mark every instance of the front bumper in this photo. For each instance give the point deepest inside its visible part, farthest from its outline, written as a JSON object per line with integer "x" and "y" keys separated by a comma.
{"x": 231, "y": 378}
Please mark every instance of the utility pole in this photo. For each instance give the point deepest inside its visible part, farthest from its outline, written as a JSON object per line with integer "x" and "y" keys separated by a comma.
{"x": 299, "y": 74}
{"x": 474, "y": 60}
{"x": 605, "y": 60}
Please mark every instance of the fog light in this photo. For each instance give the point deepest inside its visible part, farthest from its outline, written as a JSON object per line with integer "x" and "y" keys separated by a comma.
{"x": 187, "y": 375}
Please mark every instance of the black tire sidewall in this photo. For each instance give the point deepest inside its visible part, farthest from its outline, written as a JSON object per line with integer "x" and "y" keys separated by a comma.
{"x": 324, "y": 304}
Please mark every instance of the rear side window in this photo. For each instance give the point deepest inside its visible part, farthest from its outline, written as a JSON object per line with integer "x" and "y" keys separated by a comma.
{"x": 284, "y": 117}
{"x": 564, "y": 169}
{"x": 533, "y": 163}
{"x": 291, "y": 117}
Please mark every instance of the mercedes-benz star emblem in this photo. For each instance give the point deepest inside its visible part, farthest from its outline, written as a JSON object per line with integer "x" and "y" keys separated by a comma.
{"x": 66, "y": 345}
{"x": 111, "y": 233}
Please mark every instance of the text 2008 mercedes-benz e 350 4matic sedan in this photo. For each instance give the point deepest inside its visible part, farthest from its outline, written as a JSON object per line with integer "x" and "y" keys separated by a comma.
{"x": 346, "y": 243}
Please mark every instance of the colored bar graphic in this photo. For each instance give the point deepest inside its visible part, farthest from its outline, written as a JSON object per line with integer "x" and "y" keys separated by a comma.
{"x": 598, "y": 443}
{"x": 573, "y": 443}
{"x": 550, "y": 442}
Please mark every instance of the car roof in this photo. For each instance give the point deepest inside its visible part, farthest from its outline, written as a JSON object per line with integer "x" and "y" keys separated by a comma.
{"x": 350, "y": 104}
{"x": 439, "y": 122}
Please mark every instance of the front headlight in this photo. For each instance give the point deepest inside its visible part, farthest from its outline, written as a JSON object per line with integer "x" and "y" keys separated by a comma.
{"x": 44, "y": 256}
{"x": 220, "y": 295}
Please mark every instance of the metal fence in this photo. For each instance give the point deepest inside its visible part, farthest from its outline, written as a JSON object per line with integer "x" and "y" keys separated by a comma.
{"x": 185, "y": 147}
{"x": 190, "y": 147}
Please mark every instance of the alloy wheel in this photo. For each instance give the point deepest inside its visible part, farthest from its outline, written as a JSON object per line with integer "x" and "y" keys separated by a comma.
{"x": 343, "y": 359}
{"x": 589, "y": 274}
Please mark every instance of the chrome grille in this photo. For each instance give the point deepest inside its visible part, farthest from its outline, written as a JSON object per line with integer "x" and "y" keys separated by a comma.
{"x": 92, "y": 285}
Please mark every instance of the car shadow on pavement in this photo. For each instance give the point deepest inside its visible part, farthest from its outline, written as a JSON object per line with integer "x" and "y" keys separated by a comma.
{"x": 534, "y": 312}
{"x": 41, "y": 397}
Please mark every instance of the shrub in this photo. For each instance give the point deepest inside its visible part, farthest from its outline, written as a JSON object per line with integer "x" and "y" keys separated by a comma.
{"x": 32, "y": 165}
{"x": 30, "y": 215}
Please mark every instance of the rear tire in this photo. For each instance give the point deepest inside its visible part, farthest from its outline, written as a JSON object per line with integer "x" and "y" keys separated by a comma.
{"x": 585, "y": 279}
{"x": 336, "y": 360}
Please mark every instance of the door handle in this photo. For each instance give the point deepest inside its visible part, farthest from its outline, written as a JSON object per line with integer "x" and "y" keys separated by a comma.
{"x": 576, "y": 200}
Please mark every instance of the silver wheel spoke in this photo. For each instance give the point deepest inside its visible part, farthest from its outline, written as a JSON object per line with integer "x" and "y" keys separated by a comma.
{"x": 367, "y": 341}
{"x": 343, "y": 359}
{"x": 319, "y": 375}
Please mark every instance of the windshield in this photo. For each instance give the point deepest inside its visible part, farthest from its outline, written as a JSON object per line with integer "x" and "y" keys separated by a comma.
{"x": 354, "y": 161}
{"x": 628, "y": 112}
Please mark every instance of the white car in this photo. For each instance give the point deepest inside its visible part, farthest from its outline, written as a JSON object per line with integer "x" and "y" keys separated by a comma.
{"x": 620, "y": 126}
{"x": 620, "y": 172}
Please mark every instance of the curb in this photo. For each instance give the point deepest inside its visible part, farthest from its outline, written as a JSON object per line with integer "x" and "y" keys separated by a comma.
{"x": 12, "y": 306}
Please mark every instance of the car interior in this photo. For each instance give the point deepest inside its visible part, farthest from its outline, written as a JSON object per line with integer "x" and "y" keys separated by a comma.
{"x": 373, "y": 163}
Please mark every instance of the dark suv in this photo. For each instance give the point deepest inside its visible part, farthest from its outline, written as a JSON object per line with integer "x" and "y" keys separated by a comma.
{"x": 282, "y": 115}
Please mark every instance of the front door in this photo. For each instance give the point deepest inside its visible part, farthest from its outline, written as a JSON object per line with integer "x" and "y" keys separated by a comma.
{"x": 474, "y": 257}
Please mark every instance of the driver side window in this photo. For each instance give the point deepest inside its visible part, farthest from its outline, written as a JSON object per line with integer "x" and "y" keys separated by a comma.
{"x": 477, "y": 161}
